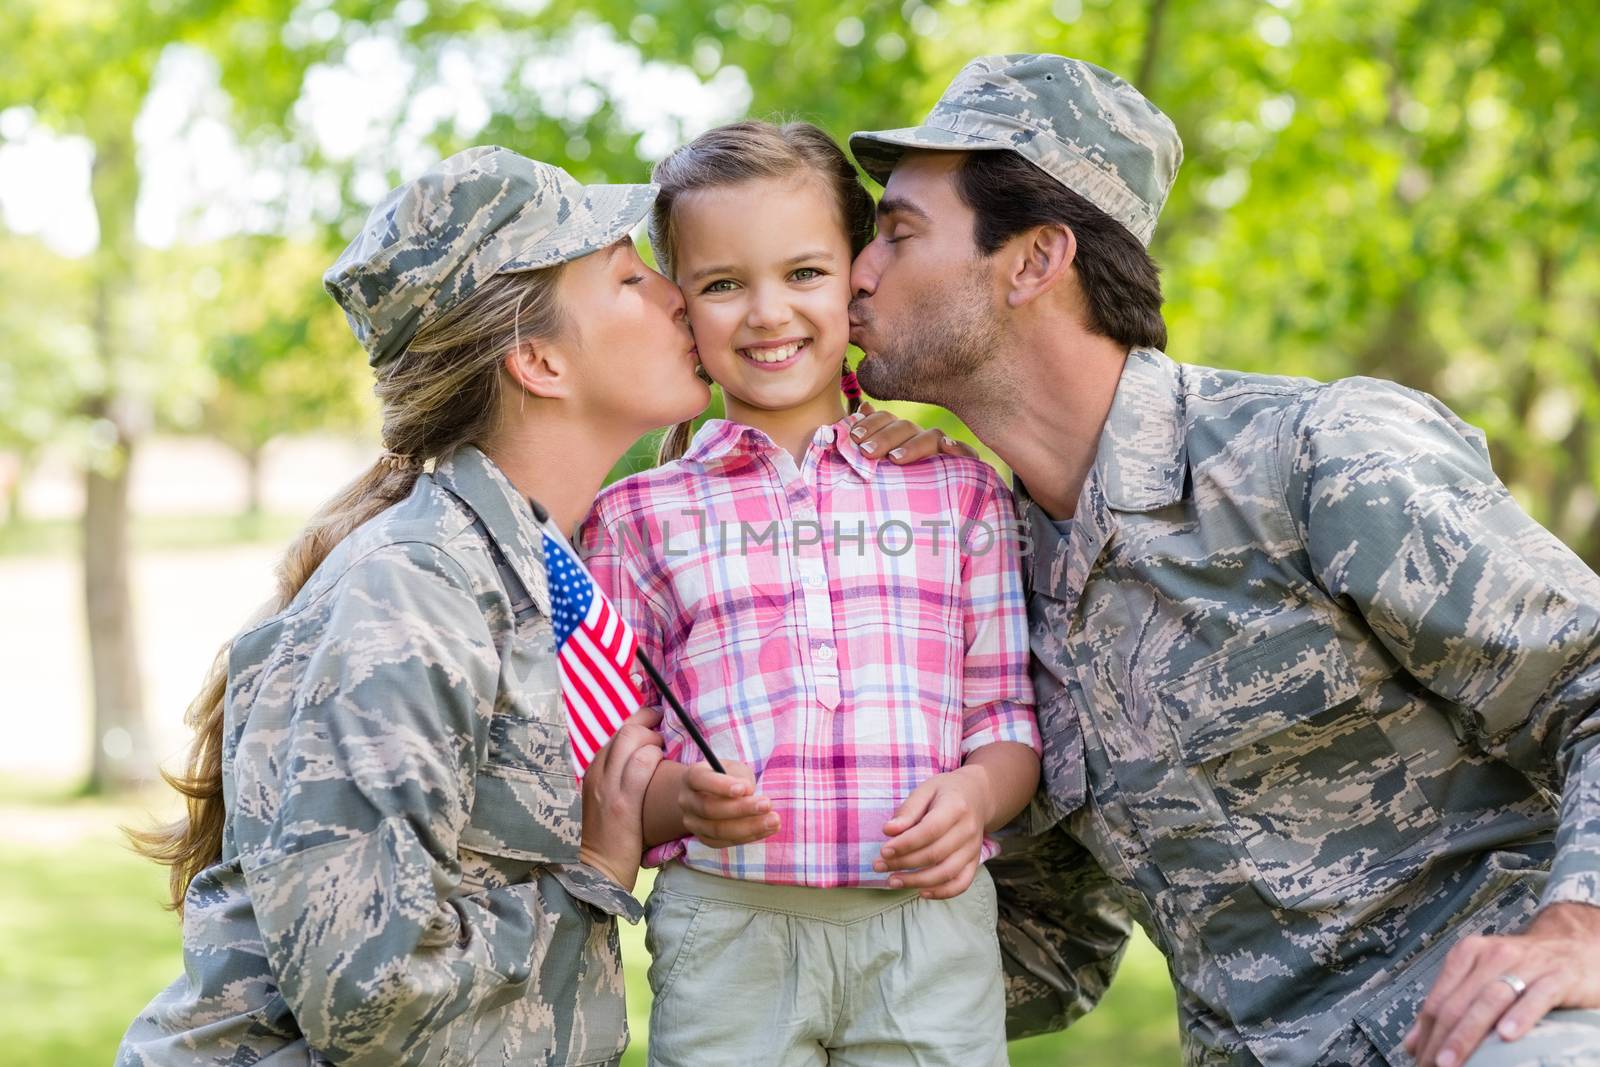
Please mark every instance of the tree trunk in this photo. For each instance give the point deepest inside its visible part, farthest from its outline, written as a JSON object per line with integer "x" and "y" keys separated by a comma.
{"x": 19, "y": 478}
{"x": 121, "y": 745}
{"x": 122, "y": 756}
{"x": 1151, "y": 50}
{"x": 253, "y": 504}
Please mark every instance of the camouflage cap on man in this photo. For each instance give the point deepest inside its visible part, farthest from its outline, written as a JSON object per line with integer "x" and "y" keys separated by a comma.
{"x": 485, "y": 211}
{"x": 1082, "y": 125}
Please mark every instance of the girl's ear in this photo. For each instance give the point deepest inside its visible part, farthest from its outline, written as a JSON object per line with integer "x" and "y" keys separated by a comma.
{"x": 540, "y": 367}
{"x": 1043, "y": 258}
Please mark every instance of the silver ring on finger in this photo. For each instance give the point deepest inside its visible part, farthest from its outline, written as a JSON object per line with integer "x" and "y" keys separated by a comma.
{"x": 1518, "y": 986}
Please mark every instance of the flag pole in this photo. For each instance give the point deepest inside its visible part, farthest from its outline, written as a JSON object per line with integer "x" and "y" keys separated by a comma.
{"x": 683, "y": 716}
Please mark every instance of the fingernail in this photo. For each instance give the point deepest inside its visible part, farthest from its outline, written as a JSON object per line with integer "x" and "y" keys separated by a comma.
{"x": 879, "y": 866}
{"x": 856, "y": 433}
{"x": 1446, "y": 1058}
{"x": 869, "y": 448}
{"x": 772, "y": 823}
{"x": 888, "y": 853}
{"x": 763, "y": 807}
{"x": 949, "y": 443}
{"x": 897, "y": 453}
{"x": 894, "y": 883}
{"x": 1508, "y": 1029}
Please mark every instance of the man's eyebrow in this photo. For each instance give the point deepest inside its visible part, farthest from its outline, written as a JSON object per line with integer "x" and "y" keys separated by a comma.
{"x": 894, "y": 205}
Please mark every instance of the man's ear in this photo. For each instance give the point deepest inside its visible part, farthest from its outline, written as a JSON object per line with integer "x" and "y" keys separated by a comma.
{"x": 1042, "y": 260}
{"x": 540, "y": 367}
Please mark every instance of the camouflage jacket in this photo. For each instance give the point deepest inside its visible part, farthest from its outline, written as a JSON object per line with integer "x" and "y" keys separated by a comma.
{"x": 1319, "y": 699}
{"x": 399, "y": 881}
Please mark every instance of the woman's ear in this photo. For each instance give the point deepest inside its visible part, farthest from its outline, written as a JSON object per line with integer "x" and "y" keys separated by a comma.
{"x": 1044, "y": 258}
{"x": 540, "y": 367}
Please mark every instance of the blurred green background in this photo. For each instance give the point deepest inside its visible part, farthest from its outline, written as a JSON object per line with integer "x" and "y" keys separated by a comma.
{"x": 1403, "y": 189}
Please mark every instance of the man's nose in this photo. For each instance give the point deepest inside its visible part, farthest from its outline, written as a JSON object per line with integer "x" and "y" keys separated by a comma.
{"x": 864, "y": 272}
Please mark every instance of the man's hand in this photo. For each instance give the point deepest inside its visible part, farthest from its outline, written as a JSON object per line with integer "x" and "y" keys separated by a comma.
{"x": 880, "y": 434}
{"x": 937, "y": 834}
{"x": 724, "y": 810}
{"x": 1557, "y": 958}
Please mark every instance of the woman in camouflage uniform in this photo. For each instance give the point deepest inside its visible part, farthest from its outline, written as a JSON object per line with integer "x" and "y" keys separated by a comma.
{"x": 384, "y": 860}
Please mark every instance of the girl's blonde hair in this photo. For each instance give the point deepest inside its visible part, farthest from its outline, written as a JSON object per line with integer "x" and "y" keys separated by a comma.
{"x": 741, "y": 152}
{"x": 442, "y": 392}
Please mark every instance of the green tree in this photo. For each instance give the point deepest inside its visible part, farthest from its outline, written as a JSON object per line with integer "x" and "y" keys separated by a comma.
{"x": 278, "y": 351}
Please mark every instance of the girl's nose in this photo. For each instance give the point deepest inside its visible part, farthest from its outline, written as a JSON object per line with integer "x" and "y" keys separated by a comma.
{"x": 767, "y": 312}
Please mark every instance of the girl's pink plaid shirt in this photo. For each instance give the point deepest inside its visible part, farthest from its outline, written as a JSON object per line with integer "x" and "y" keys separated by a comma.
{"x": 847, "y": 628}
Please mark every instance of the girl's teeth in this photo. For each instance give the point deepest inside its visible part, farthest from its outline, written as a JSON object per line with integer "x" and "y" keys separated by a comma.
{"x": 774, "y": 355}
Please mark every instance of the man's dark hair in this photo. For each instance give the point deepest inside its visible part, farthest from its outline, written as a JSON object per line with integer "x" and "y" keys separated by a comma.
{"x": 1121, "y": 283}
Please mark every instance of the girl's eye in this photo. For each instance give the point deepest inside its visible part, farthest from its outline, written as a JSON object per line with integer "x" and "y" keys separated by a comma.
{"x": 634, "y": 280}
{"x": 895, "y": 240}
{"x": 722, "y": 285}
{"x": 806, "y": 274}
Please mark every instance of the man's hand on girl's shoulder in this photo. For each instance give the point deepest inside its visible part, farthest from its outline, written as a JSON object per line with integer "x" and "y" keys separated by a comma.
{"x": 882, "y": 434}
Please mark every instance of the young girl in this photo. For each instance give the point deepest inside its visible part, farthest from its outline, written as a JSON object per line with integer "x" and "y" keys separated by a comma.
{"x": 851, "y": 636}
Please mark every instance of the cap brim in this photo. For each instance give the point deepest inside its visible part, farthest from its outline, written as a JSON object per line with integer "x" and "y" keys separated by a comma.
{"x": 605, "y": 215}
{"x": 877, "y": 151}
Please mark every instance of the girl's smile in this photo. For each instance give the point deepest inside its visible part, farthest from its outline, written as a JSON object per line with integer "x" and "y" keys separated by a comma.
{"x": 776, "y": 355}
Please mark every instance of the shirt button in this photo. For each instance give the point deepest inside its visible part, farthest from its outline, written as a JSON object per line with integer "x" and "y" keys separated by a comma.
{"x": 638, "y": 679}
{"x": 825, "y": 653}
{"x": 816, "y": 580}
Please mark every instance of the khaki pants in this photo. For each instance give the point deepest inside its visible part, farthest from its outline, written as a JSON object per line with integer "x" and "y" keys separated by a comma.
{"x": 753, "y": 975}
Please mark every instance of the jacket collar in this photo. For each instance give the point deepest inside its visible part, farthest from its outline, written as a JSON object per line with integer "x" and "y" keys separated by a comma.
{"x": 1140, "y": 465}
{"x": 719, "y": 439}
{"x": 1141, "y": 460}
{"x": 513, "y": 522}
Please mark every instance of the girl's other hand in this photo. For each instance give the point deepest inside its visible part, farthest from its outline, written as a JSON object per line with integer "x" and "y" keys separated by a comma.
{"x": 724, "y": 810}
{"x": 613, "y": 798}
{"x": 881, "y": 434}
{"x": 936, "y": 836}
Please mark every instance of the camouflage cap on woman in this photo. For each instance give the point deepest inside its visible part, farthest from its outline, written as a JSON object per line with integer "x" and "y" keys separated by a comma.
{"x": 484, "y": 211}
{"x": 1082, "y": 125}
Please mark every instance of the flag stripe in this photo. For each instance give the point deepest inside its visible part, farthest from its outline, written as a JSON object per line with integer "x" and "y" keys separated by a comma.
{"x": 595, "y": 650}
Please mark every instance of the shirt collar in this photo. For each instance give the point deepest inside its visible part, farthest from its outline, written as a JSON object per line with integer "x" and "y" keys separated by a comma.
{"x": 1142, "y": 457}
{"x": 719, "y": 439}
{"x": 513, "y": 522}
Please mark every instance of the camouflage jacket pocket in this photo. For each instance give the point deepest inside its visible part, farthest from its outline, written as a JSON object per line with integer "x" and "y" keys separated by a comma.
{"x": 527, "y": 805}
{"x": 1311, "y": 792}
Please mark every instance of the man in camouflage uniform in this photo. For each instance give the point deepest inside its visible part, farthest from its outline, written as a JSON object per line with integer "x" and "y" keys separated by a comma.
{"x": 1321, "y": 704}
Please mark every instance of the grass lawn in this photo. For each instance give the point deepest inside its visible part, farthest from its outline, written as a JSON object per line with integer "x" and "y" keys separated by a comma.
{"x": 84, "y": 944}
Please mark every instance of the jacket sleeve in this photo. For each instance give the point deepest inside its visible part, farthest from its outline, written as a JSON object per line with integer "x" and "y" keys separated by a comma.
{"x": 1062, "y": 931}
{"x": 387, "y": 683}
{"x": 1404, "y": 520}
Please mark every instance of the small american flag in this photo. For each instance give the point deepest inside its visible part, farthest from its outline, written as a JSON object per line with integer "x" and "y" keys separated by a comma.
{"x": 595, "y": 648}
